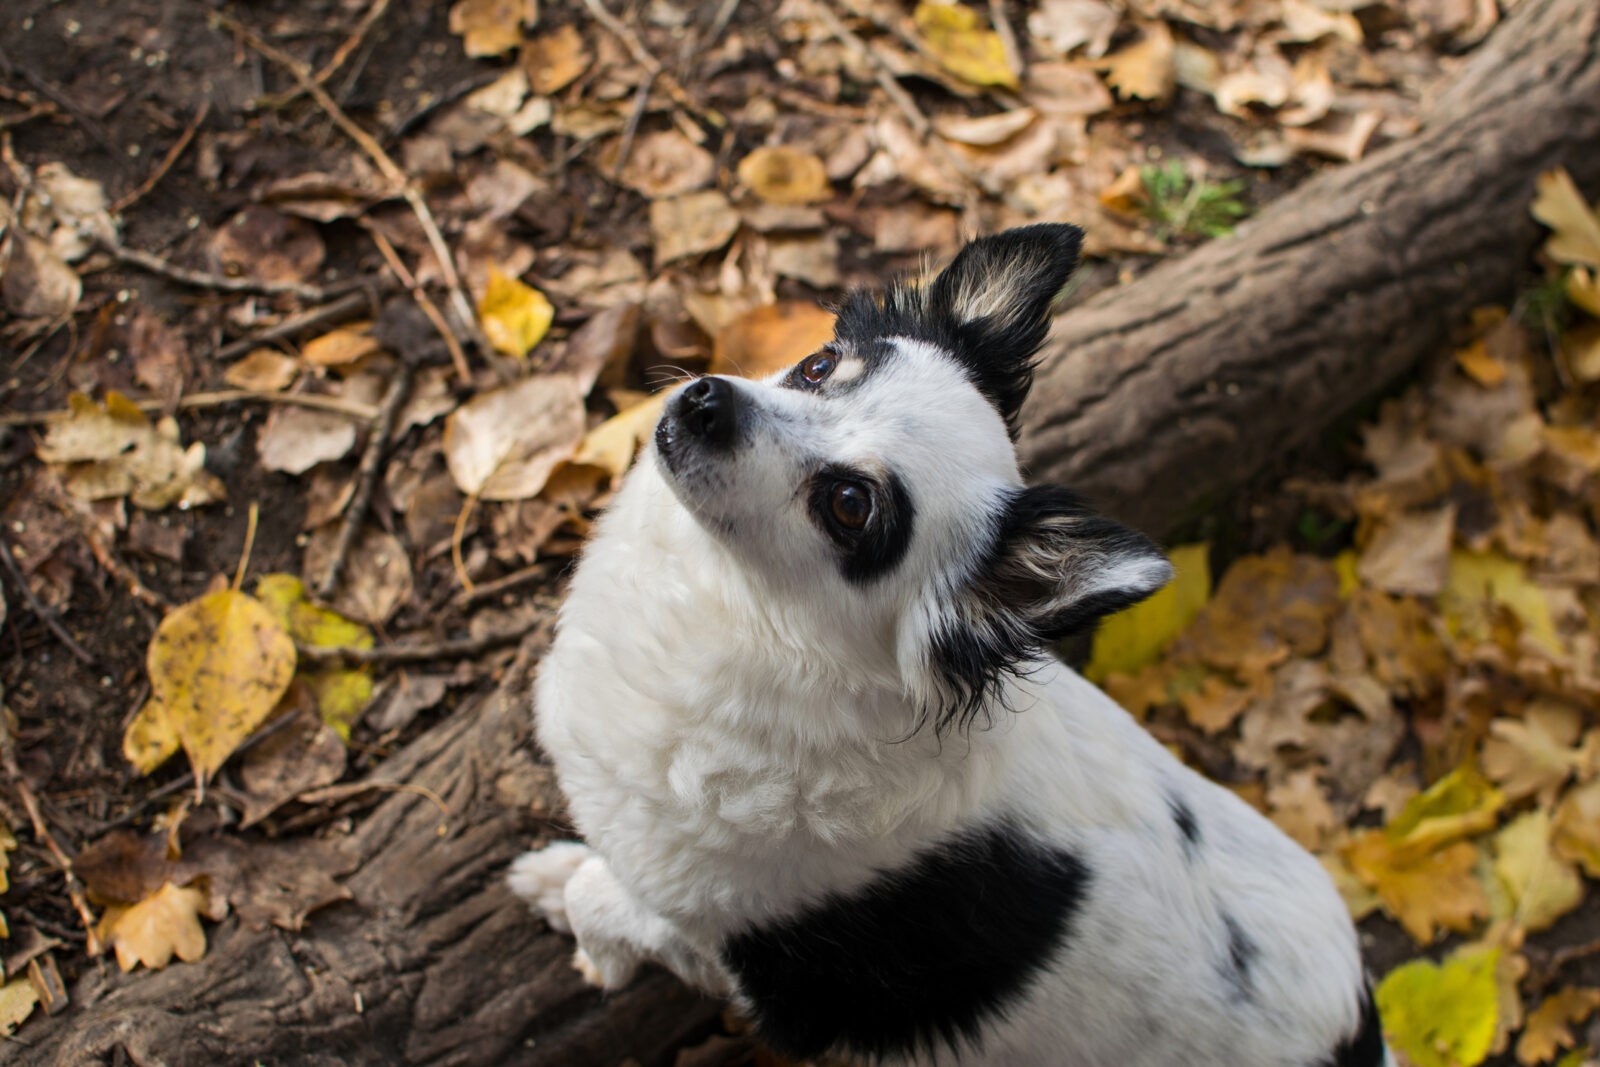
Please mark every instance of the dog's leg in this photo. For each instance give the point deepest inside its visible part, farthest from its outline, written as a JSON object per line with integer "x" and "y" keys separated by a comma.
{"x": 540, "y": 877}
{"x": 616, "y": 933}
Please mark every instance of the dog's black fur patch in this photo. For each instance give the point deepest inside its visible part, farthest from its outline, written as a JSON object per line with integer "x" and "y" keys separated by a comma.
{"x": 872, "y": 552}
{"x": 1012, "y": 606}
{"x": 1183, "y": 818}
{"x": 920, "y": 957}
{"x": 1364, "y": 1048}
{"x": 1033, "y": 263}
{"x": 1242, "y": 954}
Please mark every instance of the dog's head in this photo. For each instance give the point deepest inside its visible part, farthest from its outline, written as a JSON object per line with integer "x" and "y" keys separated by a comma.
{"x": 875, "y": 484}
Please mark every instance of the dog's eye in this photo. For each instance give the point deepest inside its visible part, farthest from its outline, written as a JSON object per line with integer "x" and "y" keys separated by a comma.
{"x": 817, "y": 367}
{"x": 851, "y": 504}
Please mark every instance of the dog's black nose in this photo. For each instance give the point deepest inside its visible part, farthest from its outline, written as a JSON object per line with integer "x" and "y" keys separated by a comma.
{"x": 708, "y": 408}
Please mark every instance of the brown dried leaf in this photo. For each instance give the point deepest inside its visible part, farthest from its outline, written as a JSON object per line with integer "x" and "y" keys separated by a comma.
{"x": 503, "y": 444}
{"x": 1299, "y": 805}
{"x": 781, "y": 174}
{"x": 1144, "y": 70}
{"x": 1064, "y": 25}
{"x": 1410, "y": 554}
{"x": 295, "y": 439}
{"x": 377, "y": 575}
{"x": 267, "y": 246}
{"x": 164, "y": 925}
{"x": 302, "y": 755}
{"x": 263, "y": 371}
{"x": 662, "y": 164}
{"x": 35, "y": 282}
{"x": 691, "y": 225}
{"x": 554, "y": 60}
{"x": 771, "y": 338}
{"x": 1549, "y": 1026}
{"x": 491, "y": 27}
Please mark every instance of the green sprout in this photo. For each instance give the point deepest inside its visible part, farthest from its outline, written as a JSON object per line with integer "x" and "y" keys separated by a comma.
{"x": 1188, "y": 208}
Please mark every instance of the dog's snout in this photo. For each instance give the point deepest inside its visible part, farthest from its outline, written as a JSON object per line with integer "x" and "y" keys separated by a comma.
{"x": 708, "y": 408}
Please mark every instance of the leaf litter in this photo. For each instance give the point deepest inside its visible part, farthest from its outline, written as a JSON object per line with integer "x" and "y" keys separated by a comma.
{"x": 613, "y": 238}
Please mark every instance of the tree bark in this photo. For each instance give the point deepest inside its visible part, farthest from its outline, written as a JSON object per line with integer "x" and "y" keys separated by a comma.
{"x": 1156, "y": 398}
{"x": 1153, "y": 398}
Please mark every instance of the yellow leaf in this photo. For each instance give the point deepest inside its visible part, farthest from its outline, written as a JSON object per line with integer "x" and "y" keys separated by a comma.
{"x": 17, "y": 1000}
{"x": 151, "y": 932}
{"x": 515, "y": 316}
{"x": 1583, "y": 289}
{"x": 1442, "y": 1015}
{"x": 770, "y": 338}
{"x": 342, "y": 693}
{"x": 1542, "y": 887}
{"x": 219, "y": 665}
{"x": 1576, "y": 228}
{"x": 1549, "y": 1027}
{"x": 1458, "y": 805}
{"x": 779, "y": 174}
{"x": 1577, "y": 827}
{"x": 1131, "y": 639}
{"x": 1146, "y": 69}
{"x": 952, "y": 33}
{"x": 611, "y": 445}
{"x": 1481, "y": 580}
{"x": 149, "y": 741}
{"x": 1422, "y": 893}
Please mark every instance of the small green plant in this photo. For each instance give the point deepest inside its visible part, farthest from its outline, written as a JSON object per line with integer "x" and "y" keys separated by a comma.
{"x": 1188, "y": 208}
{"x": 1544, "y": 306}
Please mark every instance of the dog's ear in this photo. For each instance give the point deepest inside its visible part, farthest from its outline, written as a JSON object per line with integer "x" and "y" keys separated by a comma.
{"x": 1056, "y": 568}
{"x": 996, "y": 296}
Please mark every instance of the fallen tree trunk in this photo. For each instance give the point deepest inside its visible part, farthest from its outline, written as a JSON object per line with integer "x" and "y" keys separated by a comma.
{"x": 1156, "y": 398}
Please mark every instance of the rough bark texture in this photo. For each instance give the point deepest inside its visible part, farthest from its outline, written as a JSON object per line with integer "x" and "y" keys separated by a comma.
{"x": 432, "y": 961}
{"x": 1156, "y": 398}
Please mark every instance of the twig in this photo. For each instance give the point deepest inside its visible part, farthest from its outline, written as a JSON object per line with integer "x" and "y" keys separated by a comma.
{"x": 391, "y": 655}
{"x": 481, "y": 592}
{"x": 41, "y": 831}
{"x": 1008, "y": 39}
{"x": 249, "y": 544}
{"x": 43, "y": 613}
{"x": 381, "y": 159}
{"x": 343, "y": 309}
{"x": 199, "y": 279}
{"x": 340, "y": 54}
{"x": 43, "y": 87}
{"x": 167, "y": 160}
{"x": 315, "y": 401}
{"x": 641, "y": 100}
{"x": 114, "y": 566}
{"x": 458, "y": 358}
{"x": 650, "y": 63}
{"x": 367, "y": 475}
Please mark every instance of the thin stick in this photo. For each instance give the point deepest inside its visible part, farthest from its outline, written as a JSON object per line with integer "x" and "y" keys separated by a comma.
{"x": 199, "y": 279}
{"x": 650, "y": 63}
{"x": 641, "y": 100}
{"x": 40, "y": 85}
{"x": 44, "y": 614}
{"x": 392, "y": 655}
{"x": 391, "y": 170}
{"x": 458, "y": 358}
{"x": 167, "y": 161}
{"x": 340, "y": 54}
{"x": 343, "y": 309}
{"x": 481, "y": 592}
{"x": 317, "y": 402}
{"x": 113, "y": 566}
{"x": 249, "y": 543}
{"x": 367, "y": 476}
{"x": 456, "y": 536}
{"x": 41, "y": 831}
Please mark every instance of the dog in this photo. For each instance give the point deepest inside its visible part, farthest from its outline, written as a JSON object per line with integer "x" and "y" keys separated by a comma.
{"x": 801, "y": 706}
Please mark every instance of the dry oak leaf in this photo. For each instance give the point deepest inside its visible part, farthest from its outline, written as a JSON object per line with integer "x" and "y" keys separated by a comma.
{"x": 515, "y": 315}
{"x": 35, "y": 283}
{"x": 491, "y": 27}
{"x": 1064, "y": 25}
{"x": 503, "y": 444}
{"x": 1537, "y": 753}
{"x": 218, "y": 665}
{"x": 1299, "y": 806}
{"x": 1548, "y": 1029}
{"x": 955, "y": 36}
{"x": 1577, "y": 827}
{"x": 1542, "y": 887}
{"x": 1442, "y": 1015}
{"x": 114, "y": 450}
{"x": 781, "y": 174}
{"x": 664, "y": 163}
{"x": 163, "y": 925}
{"x": 770, "y": 338}
{"x": 1576, "y": 227}
{"x": 691, "y": 225}
{"x": 1410, "y": 554}
{"x": 554, "y": 60}
{"x": 1146, "y": 69}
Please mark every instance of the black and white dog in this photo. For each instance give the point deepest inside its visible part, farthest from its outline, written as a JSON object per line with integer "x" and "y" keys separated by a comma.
{"x": 800, "y": 705}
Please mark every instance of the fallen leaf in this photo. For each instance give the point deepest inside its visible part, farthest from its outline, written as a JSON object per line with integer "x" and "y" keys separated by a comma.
{"x": 1299, "y": 806}
{"x": 1305, "y": 22}
{"x": 125, "y": 867}
{"x": 1576, "y": 227}
{"x": 664, "y": 163}
{"x": 771, "y": 338}
{"x": 491, "y": 27}
{"x": 1537, "y": 753}
{"x": 1410, "y": 554}
{"x": 1542, "y": 887}
{"x": 150, "y": 739}
{"x": 151, "y": 932}
{"x": 599, "y": 350}
{"x": 811, "y": 258}
{"x": 780, "y": 174}
{"x": 1577, "y": 827}
{"x": 79, "y": 211}
{"x": 985, "y": 131}
{"x": 263, "y": 371}
{"x": 376, "y": 580}
{"x": 295, "y": 439}
{"x": 17, "y": 1001}
{"x": 503, "y": 444}
{"x": 304, "y": 754}
{"x": 267, "y": 246}
{"x": 1549, "y": 1026}
{"x": 1480, "y": 581}
{"x": 1341, "y": 135}
{"x": 218, "y": 665}
{"x": 341, "y": 693}
{"x": 1583, "y": 289}
{"x": 36, "y": 283}
{"x": 554, "y": 60}
{"x": 612, "y": 445}
{"x": 1460, "y": 804}
{"x": 1144, "y": 70}
{"x": 690, "y": 225}
{"x": 1065, "y": 25}
{"x": 1442, "y": 1015}
{"x": 1133, "y": 638}
{"x": 341, "y": 347}
{"x": 1481, "y": 365}
{"x": 114, "y": 450}
{"x": 954, "y": 35}
{"x": 515, "y": 315}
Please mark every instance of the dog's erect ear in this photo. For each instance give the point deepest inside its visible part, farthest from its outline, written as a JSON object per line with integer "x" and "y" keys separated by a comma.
{"x": 1056, "y": 569}
{"x": 996, "y": 297}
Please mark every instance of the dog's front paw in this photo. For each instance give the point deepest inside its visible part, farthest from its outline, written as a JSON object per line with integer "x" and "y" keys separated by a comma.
{"x": 605, "y": 970}
{"x": 540, "y": 877}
